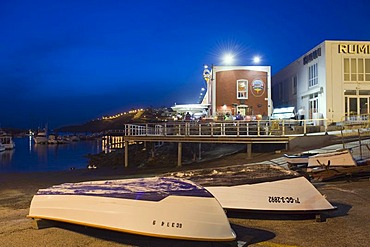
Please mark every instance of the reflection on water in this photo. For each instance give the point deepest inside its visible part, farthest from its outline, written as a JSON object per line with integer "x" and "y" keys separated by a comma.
{"x": 30, "y": 157}
{"x": 110, "y": 143}
{"x": 6, "y": 156}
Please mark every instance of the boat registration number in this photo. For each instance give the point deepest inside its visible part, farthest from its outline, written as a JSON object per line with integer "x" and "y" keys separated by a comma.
{"x": 283, "y": 199}
{"x": 167, "y": 224}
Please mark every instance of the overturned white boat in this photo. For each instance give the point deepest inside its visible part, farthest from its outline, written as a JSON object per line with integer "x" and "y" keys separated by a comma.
{"x": 260, "y": 187}
{"x": 158, "y": 207}
{"x": 294, "y": 195}
{"x": 298, "y": 160}
{"x": 340, "y": 158}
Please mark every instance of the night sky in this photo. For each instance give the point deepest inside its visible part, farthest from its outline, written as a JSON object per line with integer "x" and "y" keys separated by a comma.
{"x": 68, "y": 62}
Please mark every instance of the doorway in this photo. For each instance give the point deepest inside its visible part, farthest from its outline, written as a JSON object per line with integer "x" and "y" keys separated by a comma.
{"x": 356, "y": 108}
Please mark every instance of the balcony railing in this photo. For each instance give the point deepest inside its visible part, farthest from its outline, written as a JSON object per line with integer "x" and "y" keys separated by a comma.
{"x": 228, "y": 128}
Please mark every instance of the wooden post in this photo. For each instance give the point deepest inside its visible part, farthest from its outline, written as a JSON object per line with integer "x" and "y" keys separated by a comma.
{"x": 179, "y": 153}
{"x": 249, "y": 150}
{"x": 200, "y": 151}
{"x": 126, "y": 153}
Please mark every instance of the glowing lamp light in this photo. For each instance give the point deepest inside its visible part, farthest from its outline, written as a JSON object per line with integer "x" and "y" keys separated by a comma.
{"x": 256, "y": 59}
{"x": 228, "y": 59}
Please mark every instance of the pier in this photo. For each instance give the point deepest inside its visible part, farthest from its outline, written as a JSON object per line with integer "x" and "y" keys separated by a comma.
{"x": 233, "y": 132}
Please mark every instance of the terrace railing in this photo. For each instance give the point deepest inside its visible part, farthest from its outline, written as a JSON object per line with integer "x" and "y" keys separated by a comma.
{"x": 228, "y": 128}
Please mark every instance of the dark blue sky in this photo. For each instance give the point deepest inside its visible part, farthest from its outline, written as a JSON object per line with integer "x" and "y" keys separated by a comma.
{"x": 67, "y": 62}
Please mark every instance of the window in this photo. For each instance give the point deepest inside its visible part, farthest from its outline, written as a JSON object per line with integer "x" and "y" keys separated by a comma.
{"x": 346, "y": 69}
{"x": 242, "y": 89}
{"x": 313, "y": 75}
{"x": 356, "y": 69}
{"x": 294, "y": 86}
{"x": 280, "y": 91}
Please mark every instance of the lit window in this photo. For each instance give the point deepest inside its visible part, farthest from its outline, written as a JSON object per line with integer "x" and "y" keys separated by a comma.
{"x": 367, "y": 69}
{"x": 242, "y": 89}
{"x": 356, "y": 69}
{"x": 346, "y": 69}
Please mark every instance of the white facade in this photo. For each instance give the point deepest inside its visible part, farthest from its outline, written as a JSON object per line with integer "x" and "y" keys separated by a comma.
{"x": 330, "y": 81}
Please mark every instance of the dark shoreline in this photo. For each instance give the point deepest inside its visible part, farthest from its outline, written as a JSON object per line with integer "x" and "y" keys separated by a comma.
{"x": 351, "y": 198}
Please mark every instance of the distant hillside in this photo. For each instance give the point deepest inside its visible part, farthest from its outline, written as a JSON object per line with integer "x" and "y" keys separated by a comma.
{"x": 116, "y": 122}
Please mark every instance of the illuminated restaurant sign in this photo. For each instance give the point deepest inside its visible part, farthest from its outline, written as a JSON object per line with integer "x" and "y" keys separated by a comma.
{"x": 258, "y": 87}
{"x": 354, "y": 48}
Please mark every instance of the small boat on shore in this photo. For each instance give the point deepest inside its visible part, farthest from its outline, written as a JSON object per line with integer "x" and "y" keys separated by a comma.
{"x": 293, "y": 195}
{"x": 340, "y": 158}
{"x": 312, "y": 160}
{"x": 260, "y": 187}
{"x": 296, "y": 161}
{"x": 157, "y": 207}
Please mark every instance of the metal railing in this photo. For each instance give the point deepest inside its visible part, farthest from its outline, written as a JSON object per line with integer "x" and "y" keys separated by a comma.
{"x": 237, "y": 128}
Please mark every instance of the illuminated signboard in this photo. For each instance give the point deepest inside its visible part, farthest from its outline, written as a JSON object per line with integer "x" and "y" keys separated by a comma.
{"x": 354, "y": 48}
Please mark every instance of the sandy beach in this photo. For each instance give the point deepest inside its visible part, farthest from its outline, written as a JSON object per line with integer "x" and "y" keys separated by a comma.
{"x": 349, "y": 225}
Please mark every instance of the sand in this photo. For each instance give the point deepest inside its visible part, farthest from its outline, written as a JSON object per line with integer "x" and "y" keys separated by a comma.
{"x": 349, "y": 225}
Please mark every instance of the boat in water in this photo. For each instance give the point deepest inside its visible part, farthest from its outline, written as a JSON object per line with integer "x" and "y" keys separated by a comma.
{"x": 2, "y": 147}
{"x": 6, "y": 140}
{"x": 158, "y": 207}
{"x": 41, "y": 137}
{"x": 52, "y": 139}
{"x": 260, "y": 187}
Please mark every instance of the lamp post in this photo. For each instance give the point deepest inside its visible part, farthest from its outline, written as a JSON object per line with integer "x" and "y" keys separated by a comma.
{"x": 208, "y": 78}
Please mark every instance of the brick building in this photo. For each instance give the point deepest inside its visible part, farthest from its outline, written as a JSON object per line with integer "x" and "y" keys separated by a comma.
{"x": 233, "y": 89}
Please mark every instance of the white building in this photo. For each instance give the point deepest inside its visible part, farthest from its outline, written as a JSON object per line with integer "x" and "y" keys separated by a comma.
{"x": 330, "y": 81}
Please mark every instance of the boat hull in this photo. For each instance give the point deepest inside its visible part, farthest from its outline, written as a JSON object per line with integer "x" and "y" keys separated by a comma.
{"x": 40, "y": 139}
{"x": 259, "y": 187}
{"x": 173, "y": 216}
{"x": 294, "y": 195}
{"x": 7, "y": 142}
{"x": 342, "y": 158}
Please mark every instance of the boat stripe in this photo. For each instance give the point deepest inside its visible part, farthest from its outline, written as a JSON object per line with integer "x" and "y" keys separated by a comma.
{"x": 148, "y": 189}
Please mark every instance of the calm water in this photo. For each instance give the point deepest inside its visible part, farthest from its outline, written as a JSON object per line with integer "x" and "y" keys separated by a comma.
{"x": 29, "y": 157}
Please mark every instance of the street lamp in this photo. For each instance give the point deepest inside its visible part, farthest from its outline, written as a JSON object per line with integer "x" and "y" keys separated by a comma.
{"x": 256, "y": 59}
{"x": 228, "y": 59}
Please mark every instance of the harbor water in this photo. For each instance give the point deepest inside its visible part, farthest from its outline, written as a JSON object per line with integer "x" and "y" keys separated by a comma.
{"x": 30, "y": 157}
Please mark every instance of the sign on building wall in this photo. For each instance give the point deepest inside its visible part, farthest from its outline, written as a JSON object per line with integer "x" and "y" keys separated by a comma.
{"x": 311, "y": 56}
{"x": 257, "y": 87}
{"x": 354, "y": 48}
